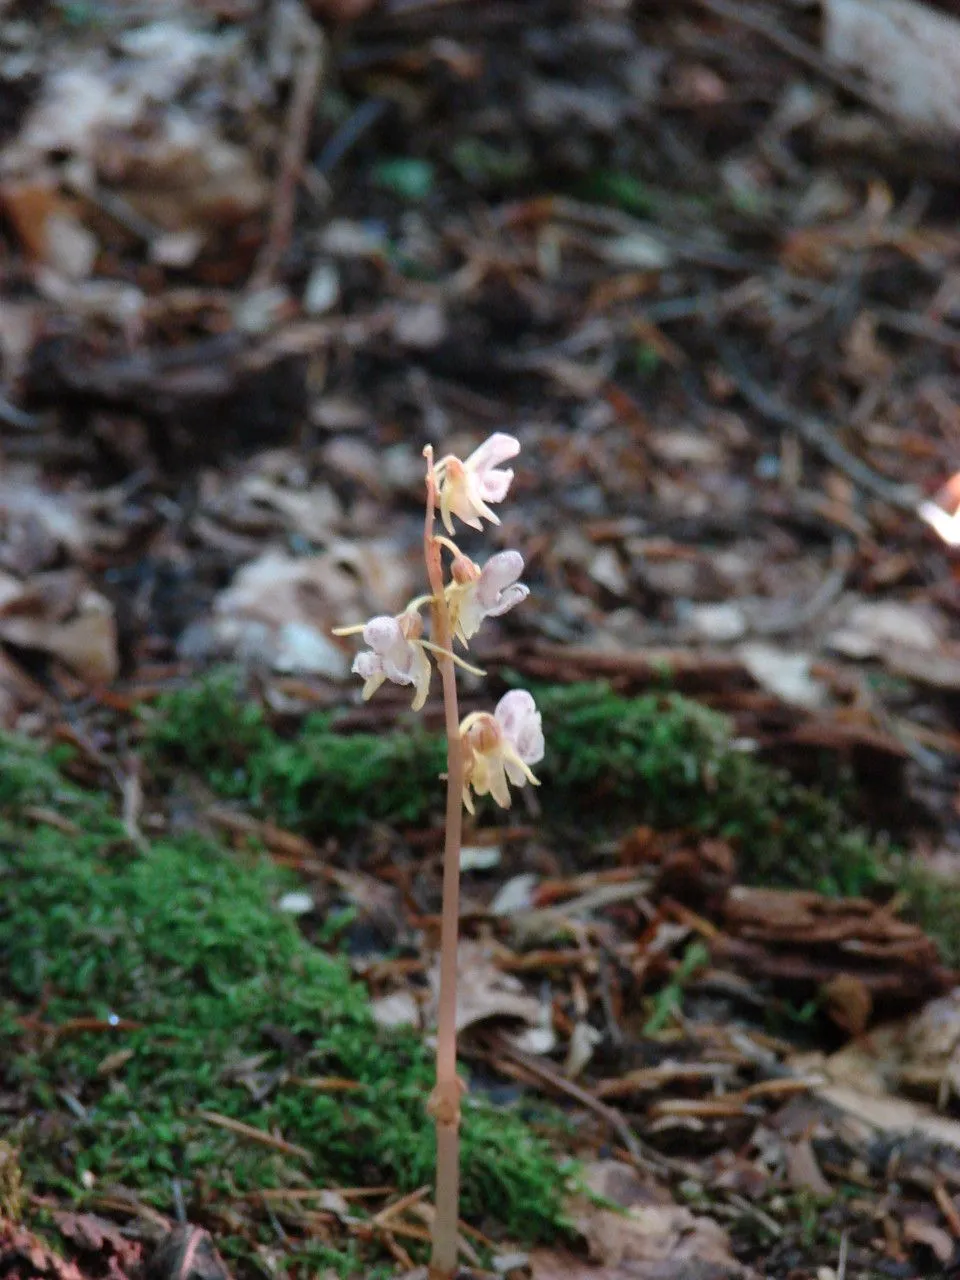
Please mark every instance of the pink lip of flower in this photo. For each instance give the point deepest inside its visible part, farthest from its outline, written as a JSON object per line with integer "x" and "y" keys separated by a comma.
{"x": 490, "y": 594}
{"x": 518, "y": 717}
{"x": 395, "y": 655}
{"x": 500, "y": 748}
{"x": 467, "y": 487}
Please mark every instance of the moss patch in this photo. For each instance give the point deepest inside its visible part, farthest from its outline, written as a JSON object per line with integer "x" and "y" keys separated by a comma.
{"x": 205, "y": 999}
{"x": 660, "y": 759}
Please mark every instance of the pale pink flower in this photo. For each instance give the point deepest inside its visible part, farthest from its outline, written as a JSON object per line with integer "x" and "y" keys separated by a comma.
{"x": 467, "y": 487}
{"x": 499, "y": 749}
{"x": 395, "y": 654}
{"x": 475, "y": 593}
{"x": 517, "y": 715}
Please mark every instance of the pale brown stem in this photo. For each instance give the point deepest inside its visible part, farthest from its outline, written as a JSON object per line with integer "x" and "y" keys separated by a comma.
{"x": 445, "y": 1100}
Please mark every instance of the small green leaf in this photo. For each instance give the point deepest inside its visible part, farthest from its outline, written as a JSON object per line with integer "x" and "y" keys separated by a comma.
{"x": 612, "y": 186}
{"x": 405, "y": 176}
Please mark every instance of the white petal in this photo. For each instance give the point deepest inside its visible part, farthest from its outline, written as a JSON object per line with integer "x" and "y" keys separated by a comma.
{"x": 381, "y": 633}
{"x": 490, "y": 484}
{"x": 397, "y": 674}
{"x": 400, "y": 661}
{"x": 529, "y": 742}
{"x": 458, "y": 501}
{"x": 470, "y": 614}
{"x": 367, "y": 665}
{"x": 421, "y": 676}
{"x": 494, "y": 450}
{"x": 371, "y": 686}
{"x": 493, "y": 486}
{"x": 519, "y": 718}
{"x": 518, "y": 771}
{"x": 514, "y": 772}
{"x": 509, "y": 598}
{"x": 500, "y": 571}
{"x": 513, "y": 708}
{"x": 498, "y": 781}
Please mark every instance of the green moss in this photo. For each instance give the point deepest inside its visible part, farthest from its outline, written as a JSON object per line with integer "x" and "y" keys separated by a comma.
{"x": 933, "y": 902}
{"x": 11, "y": 1183}
{"x": 670, "y": 762}
{"x": 660, "y": 759}
{"x": 320, "y": 781}
{"x": 212, "y": 726}
{"x": 223, "y": 1008}
{"x": 234, "y": 1010}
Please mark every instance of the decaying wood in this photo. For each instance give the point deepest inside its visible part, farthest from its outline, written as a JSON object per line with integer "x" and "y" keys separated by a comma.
{"x": 804, "y": 940}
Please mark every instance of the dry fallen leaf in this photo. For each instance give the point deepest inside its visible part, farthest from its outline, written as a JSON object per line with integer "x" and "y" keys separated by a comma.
{"x": 58, "y": 614}
{"x": 869, "y": 627}
{"x": 786, "y": 675}
{"x": 281, "y": 609}
{"x": 37, "y": 522}
{"x": 96, "y": 1235}
{"x": 186, "y": 1253}
{"x": 313, "y": 513}
{"x": 49, "y": 227}
{"x": 938, "y": 669}
{"x": 848, "y": 1002}
{"x": 803, "y": 1171}
{"x": 920, "y": 1054}
{"x": 485, "y": 992}
{"x": 174, "y": 171}
{"x": 652, "y": 1239}
{"x": 882, "y": 1113}
{"x": 908, "y": 55}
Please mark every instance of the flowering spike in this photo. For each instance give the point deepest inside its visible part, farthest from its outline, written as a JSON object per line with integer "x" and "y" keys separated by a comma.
{"x": 486, "y": 754}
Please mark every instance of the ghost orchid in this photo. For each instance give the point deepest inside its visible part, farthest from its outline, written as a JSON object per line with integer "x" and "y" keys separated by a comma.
{"x": 475, "y": 593}
{"x": 486, "y": 754}
{"x": 500, "y": 748}
{"x": 466, "y": 487}
{"x": 396, "y": 653}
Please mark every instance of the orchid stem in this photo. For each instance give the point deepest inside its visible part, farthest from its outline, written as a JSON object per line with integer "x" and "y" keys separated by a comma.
{"x": 445, "y": 1101}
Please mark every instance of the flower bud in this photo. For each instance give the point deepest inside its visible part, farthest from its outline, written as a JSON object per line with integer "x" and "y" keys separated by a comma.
{"x": 484, "y": 735}
{"x": 464, "y": 570}
{"x": 411, "y": 624}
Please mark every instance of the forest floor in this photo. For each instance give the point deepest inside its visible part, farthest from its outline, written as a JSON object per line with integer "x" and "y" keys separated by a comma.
{"x": 251, "y": 261}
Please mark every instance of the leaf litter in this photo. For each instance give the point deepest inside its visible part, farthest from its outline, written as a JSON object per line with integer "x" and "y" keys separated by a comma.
{"x": 686, "y": 254}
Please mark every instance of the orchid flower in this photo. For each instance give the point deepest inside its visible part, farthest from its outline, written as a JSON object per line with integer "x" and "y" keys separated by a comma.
{"x": 466, "y": 487}
{"x": 500, "y": 748}
{"x": 475, "y": 593}
{"x": 396, "y": 653}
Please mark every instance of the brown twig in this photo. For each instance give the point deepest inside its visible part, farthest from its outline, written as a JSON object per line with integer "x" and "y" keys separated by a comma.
{"x": 254, "y": 1135}
{"x": 305, "y": 88}
{"x": 816, "y": 433}
{"x": 609, "y": 1115}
